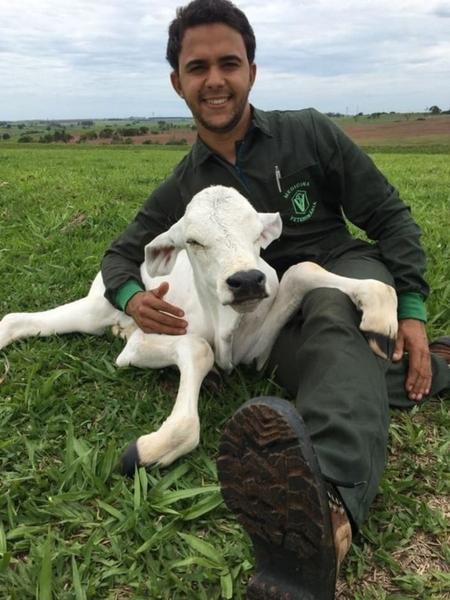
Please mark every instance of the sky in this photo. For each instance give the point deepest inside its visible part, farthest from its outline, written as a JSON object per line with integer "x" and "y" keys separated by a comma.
{"x": 63, "y": 59}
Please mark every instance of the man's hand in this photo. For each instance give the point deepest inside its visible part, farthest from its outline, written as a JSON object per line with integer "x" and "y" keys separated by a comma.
{"x": 153, "y": 315}
{"x": 412, "y": 338}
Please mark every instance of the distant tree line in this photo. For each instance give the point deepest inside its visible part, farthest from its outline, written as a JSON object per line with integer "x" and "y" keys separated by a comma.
{"x": 57, "y": 136}
{"x": 435, "y": 110}
{"x": 60, "y": 135}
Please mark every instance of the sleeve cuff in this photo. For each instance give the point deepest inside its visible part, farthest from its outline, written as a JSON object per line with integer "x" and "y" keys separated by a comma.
{"x": 126, "y": 292}
{"x": 411, "y": 306}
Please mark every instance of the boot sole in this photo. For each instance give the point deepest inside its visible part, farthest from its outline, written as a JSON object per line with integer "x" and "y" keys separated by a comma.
{"x": 271, "y": 480}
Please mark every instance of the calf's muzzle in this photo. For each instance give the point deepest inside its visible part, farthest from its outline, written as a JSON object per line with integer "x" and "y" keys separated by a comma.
{"x": 247, "y": 285}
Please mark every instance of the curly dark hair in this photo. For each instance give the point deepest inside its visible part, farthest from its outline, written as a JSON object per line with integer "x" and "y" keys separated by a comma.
{"x": 202, "y": 12}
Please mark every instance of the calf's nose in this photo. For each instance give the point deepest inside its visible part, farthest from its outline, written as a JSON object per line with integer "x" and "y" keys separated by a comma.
{"x": 247, "y": 284}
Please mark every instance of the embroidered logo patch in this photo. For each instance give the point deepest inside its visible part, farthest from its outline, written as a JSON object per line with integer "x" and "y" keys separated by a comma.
{"x": 302, "y": 206}
{"x": 300, "y": 202}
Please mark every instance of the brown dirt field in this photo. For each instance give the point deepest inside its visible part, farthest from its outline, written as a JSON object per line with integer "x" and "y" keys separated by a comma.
{"x": 413, "y": 131}
{"x": 166, "y": 136}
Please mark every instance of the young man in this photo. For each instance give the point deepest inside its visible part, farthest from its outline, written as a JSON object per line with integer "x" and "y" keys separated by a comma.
{"x": 299, "y": 505}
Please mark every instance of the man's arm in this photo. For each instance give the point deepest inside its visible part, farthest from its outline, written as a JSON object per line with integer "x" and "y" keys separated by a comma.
{"x": 373, "y": 204}
{"x": 122, "y": 261}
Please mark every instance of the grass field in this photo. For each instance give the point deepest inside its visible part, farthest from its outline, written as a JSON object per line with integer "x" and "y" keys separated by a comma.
{"x": 72, "y": 528}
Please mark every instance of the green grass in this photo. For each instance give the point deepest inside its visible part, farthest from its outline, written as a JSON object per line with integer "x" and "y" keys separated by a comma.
{"x": 71, "y": 527}
{"x": 435, "y": 146}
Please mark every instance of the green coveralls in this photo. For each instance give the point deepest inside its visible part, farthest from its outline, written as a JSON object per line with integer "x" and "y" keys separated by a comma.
{"x": 303, "y": 166}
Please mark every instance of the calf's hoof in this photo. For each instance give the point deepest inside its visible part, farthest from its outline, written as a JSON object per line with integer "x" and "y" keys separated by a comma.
{"x": 129, "y": 460}
{"x": 270, "y": 479}
{"x": 381, "y": 345}
{"x": 213, "y": 382}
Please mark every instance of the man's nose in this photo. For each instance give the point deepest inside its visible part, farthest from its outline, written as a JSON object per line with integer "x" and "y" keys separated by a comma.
{"x": 215, "y": 77}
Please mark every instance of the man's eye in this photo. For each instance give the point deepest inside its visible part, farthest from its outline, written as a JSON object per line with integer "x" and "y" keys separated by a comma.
{"x": 196, "y": 69}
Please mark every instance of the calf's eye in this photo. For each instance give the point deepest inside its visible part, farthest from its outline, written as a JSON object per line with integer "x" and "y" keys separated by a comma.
{"x": 195, "y": 243}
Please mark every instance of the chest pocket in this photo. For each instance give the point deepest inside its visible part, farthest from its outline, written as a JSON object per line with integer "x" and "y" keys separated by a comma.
{"x": 300, "y": 194}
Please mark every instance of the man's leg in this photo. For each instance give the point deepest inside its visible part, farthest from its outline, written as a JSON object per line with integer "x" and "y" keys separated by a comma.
{"x": 324, "y": 361}
{"x": 342, "y": 390}
{"x": 288, "y": 501}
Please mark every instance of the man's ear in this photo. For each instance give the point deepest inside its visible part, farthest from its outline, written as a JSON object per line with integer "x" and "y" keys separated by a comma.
{"x": 161, "y": 253}
{"x": 272, "y": 226}
{"x": 252, "y": 74}
{"x": 175, "y": 81}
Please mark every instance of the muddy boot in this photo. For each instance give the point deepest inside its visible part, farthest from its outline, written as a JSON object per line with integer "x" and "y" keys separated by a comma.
{"x": 271, "y": 480}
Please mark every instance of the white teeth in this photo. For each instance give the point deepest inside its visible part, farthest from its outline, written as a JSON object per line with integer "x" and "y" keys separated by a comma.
{"x": 216, "y": 101}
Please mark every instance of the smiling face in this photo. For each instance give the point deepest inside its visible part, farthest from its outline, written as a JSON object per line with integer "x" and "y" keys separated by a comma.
{"x": 215, "y": 78}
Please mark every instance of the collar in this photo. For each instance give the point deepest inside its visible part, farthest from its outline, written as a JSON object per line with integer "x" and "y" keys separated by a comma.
{"x": 201, "y": 152}
{"x": 261, "y": 121}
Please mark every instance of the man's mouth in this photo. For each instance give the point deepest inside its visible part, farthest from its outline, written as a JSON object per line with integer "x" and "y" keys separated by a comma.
{"x": 216, "y": 101}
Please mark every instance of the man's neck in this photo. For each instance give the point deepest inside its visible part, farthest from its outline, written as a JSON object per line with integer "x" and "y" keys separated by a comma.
{"x": 224, "y": 143}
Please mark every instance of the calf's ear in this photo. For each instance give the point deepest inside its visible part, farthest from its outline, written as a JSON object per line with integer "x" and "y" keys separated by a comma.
{"x": 272, "y": 226}
{"x": 161, "y": 253}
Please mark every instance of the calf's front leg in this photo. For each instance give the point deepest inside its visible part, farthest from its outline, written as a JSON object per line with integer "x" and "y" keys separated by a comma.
{"x": 180, "y": 432}
{"x": 376, "y": 301}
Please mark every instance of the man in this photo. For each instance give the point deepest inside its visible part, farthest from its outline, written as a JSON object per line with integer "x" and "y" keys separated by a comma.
{"x": 301, "y": 164}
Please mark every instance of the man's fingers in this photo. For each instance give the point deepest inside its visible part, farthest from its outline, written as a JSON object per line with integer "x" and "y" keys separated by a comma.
{"x": 154, "y": 315}
{"x": 167, "y": 319}
{"x": 156, "y": 322}
{"x": 162, "y": 305}
{"x": 155, "y": 302}
{"x": 399, "y": 348}
{"x": 418, "y": 381}
{"x": 412, "y": 339}
{"x": 148, "y": 317}
{"x": 161, "y": 290}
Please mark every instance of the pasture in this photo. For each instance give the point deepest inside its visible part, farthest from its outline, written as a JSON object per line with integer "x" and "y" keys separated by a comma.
{"x": 70, "y": 526}
{"x": 377, "y": 130}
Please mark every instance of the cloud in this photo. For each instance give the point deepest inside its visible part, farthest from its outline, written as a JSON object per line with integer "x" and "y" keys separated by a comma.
{"x": 442, "y": 10}
{"x": 65, "y": 58}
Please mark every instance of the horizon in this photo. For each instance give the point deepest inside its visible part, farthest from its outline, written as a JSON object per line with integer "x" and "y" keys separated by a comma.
{"x": 336, "y": 114}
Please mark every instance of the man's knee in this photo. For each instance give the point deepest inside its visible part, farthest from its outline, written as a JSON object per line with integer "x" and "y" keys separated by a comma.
{"x": 329, "y": 305}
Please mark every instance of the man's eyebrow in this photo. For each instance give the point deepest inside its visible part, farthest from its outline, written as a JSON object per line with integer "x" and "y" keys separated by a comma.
{"x": 229, "y": 57}
{"x": 196, "y": 62}
{"x": 200, "y": 62}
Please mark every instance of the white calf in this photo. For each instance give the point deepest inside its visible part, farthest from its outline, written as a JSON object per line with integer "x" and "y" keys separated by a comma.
{"x": 232, "y": 300}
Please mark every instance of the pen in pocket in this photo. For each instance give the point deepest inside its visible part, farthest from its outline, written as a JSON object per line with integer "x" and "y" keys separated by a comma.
{"x": 278, "y": 177}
